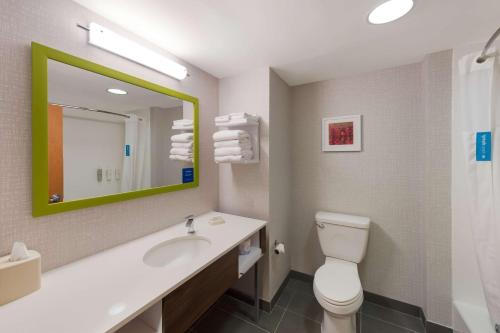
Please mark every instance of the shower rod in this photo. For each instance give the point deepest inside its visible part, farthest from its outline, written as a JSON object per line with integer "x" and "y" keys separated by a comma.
{"x": 92, "y": 110}
{"x": 484, "y": 55}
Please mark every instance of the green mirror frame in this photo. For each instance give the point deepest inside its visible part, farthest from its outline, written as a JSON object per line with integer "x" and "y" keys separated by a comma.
{"x": 40, "y": 182}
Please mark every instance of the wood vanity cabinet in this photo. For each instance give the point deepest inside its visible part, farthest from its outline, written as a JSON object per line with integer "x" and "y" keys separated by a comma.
{"x": 187, "y": 303}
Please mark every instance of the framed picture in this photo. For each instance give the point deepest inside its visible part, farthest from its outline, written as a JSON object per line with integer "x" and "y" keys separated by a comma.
{"x": 342, "y": 133}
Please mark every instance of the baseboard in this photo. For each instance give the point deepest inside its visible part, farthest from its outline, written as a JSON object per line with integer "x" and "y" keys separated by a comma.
{"x": 390, "y": 303}
{"x": 431, "y": 327}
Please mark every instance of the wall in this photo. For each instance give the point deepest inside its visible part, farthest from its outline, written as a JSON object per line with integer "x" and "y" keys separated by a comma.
{"x": 66, "y": 237}
{"x": 261, "y": 190}
{"x": 437, "y": 78}
{"x": 83, "y": 154}
{"x": 386, "y": 181}
{"x": 279, "y": 177}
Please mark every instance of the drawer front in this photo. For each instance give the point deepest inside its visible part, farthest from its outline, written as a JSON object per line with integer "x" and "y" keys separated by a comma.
{"x": 187, "y": 303}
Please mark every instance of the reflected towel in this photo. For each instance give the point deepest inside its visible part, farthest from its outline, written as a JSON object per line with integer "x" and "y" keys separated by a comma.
{"x": 233, "y": 151}
{"x": 184, "y": 137}
{"x": 181, "y": 158}
{"x": 182, "y": 144}
{"x": 181, "y": 151}
{"x": 183, "y": 122}
{"x": 230, "y": 135}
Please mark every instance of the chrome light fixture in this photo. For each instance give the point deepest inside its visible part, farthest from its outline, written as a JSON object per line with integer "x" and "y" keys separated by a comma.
{"x": 110, "y": 41}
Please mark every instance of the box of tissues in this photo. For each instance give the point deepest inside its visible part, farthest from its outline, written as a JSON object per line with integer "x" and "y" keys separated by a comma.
{"x": 20, "y": 273}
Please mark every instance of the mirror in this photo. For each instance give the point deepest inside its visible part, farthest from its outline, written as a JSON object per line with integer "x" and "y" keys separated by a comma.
{"x": 107, "y": 135}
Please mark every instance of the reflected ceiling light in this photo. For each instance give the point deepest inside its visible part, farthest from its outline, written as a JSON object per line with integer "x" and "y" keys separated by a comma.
{"x": 390, "y": 11}
{"x": 114, "y": 43}
{"x": 116, "y": 91}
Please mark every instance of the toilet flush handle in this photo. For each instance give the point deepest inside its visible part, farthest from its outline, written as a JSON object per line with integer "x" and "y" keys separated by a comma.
{"x": 320, "y": 225}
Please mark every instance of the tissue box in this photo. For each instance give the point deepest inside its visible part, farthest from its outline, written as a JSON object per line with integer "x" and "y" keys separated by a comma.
{"x": 19, "y": 278}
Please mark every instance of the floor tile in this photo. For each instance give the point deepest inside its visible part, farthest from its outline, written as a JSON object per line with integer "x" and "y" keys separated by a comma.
{"x": 392, "y": 316}
{"x": 218, "y": 321}
{"x": 302, "y": 286}
{"x": 267, "y": 320}
{"x": 285, "y": 297}
{"x": 306, "y": 305}
{"x": 371, "y": 325}
{"x": 292, "y": 323}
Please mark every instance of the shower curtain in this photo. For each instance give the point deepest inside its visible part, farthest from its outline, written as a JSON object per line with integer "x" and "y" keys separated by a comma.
{"x": 136, "y": 170}
{"x": 480, "y": 109}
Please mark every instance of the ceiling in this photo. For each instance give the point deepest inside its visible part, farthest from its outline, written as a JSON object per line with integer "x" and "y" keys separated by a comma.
{"x": 303, "y": 40}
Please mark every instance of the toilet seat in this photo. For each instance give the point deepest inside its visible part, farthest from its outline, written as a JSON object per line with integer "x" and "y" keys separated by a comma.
{"x": 337, "y": 286}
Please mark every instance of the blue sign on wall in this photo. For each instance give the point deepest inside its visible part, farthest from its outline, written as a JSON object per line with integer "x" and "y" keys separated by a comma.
{"x": 483, "y": 146}
{"x": 127, "y": 150}
{"x": 187, "y": 175}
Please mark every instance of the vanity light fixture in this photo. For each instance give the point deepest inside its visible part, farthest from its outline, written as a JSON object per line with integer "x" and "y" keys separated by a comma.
{"x": 116, "y": 91}
{"x": 390, "y": 11}
{"x": 110, "y": 41}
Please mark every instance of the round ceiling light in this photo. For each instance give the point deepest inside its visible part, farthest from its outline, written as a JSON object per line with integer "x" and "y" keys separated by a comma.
{"x": 116, "y": 91}
{"x": 390, "y": 11}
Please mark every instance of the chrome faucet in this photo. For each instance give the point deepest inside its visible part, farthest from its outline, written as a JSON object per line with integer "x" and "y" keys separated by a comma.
{"x": 190, "y": 224}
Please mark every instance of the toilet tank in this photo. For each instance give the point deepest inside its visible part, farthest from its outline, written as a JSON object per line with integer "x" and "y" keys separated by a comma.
{"x": 343, "y": 236}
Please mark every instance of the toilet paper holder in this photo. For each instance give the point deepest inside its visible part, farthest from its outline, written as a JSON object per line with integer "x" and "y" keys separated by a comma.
{"x": 279, "y": 247}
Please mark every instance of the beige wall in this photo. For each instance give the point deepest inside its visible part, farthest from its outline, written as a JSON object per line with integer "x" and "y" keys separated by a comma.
{"x": 261, "y": 190}
{"x": 279, "y": 178}
{"x": 437, "y": 78}
{"x": 400, "y": 179}
{"x": 66, "y": 237}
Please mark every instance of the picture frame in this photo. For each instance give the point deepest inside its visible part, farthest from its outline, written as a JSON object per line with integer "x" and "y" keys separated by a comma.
{"x": 342, "y": 133}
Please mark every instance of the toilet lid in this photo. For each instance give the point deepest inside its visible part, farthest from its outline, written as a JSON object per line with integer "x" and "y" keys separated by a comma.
{"x": 338, "y": 282}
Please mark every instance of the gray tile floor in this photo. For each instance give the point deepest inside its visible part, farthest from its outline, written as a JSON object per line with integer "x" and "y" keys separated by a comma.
{"x": 297, "y": 311}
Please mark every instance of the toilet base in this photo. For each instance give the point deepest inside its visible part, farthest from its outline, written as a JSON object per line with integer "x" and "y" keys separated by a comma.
{"x": 338, "y": 324}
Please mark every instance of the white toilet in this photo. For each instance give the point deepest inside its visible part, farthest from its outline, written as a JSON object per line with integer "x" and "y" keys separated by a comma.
{"x": 343, "y": 239}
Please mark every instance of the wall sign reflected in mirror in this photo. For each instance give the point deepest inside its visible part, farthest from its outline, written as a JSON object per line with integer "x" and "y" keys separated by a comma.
{"x": 108, "y": 134}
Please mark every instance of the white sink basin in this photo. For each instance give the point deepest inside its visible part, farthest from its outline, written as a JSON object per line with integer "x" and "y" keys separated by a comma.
{"x": 176, "y": 251}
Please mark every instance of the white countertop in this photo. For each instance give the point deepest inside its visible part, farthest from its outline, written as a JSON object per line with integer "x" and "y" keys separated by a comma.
{"x": 102, "y": 292}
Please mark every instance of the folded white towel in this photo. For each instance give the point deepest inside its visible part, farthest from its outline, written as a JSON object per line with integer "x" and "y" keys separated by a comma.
{"x": 233, "y": 143}
{"x": 236, "y": 122}
{"x": 230, "y": 135}
{"x": 182, "y": 144}
{"x": 181, "y": 151}
{"x": 183, "y": 127}
{"x": 243, "y": 115}
{"x": 181, "y": 122}
{"x": 222, "y": 118}
{"x": 184, "y": 137}
{"x": 231, "y": 158}
{"x": 233, "y": 151}
{"x": 181, "y": 158}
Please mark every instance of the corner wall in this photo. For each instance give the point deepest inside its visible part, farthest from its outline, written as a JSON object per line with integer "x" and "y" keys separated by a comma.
{"x": 260, "y": 190}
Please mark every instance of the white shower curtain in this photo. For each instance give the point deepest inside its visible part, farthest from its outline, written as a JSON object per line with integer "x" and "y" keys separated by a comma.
{"x": 479, "y": 106}
{"x": 136, "y": 170}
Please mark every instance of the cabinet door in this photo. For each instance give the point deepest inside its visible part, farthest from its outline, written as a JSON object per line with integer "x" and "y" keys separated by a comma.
{"x": 187, "y": 303}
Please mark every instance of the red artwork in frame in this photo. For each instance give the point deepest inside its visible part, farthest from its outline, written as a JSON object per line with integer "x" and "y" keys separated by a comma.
{"x": 342, "y": 133}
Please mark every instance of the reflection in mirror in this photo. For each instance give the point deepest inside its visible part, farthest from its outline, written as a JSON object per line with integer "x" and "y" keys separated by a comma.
{"x": 107, "y": 136}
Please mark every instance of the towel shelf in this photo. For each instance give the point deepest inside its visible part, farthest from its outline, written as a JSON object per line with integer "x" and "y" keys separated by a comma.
{"x": 251, "y": 126}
